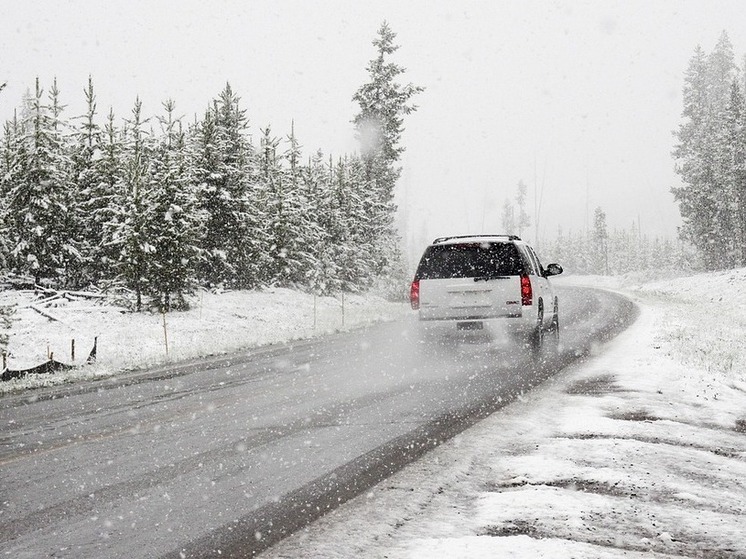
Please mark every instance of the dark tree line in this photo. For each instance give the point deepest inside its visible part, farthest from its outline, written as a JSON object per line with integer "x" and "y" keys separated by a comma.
{"x": 161, "y": 206}
{"x": 711, "y": 158}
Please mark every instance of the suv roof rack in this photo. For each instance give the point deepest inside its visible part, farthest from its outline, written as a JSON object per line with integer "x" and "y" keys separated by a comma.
{"x": 444, "y": 239}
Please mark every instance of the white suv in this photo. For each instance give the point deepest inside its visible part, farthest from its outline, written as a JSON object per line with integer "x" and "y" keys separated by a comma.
{"x": 493, "y": 281}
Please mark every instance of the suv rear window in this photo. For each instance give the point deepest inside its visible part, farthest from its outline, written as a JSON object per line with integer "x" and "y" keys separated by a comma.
{"x": 470, "y": 260}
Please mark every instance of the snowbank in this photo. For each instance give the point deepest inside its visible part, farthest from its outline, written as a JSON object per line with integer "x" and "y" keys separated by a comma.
{"x": 216, "y": 323}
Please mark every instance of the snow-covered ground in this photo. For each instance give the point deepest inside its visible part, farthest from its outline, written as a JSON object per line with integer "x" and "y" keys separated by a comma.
{"x": 216, "y": 323}
{"x": 638, "y": 452}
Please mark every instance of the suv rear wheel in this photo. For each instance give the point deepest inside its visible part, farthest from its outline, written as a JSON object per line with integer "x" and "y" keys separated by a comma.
{"x": 536, "y": 341}
{"x": 554, "y": 329}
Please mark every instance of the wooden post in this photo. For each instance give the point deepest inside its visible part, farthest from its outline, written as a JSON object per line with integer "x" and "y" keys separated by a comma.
{"x": 72, "y": 350}
{"x": 5, "y": 360}
{"x": 165, "y": 331}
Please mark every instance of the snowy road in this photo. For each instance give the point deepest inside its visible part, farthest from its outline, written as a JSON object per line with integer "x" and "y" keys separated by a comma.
{"x": 232, "y": 453}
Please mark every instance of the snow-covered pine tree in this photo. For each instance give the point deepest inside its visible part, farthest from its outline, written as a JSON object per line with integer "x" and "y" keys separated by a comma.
{"x": 128, "y": 228}
{"x": 38, "y": 194}
{"x": 174, "y": 225}
{"x": 703, "y": 156}
{"x": 347, "y": 233}
{"x": 693, "y": 157}
{"x": 370, "y": 229}
{"x": 274, "y": 203}
{"x": 71, "y": 254}
{"x": 229, "y": 196}
{"x": 334, "y": 223}
{"x": 214, "y": 269}
{"x": 291, "y": 230}
{"x": 322, "y": 279}
{"x": 383, "y": 103}
{"x": 93, "y": 190}
{"x": 108, "y": 195}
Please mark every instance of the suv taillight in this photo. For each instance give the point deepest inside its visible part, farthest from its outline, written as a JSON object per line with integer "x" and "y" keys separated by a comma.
{"x": 414, "y": 294}
{"x": 527, "y": 293}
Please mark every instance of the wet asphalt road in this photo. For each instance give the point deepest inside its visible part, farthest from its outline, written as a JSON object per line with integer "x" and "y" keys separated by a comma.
{"x": 225, "y": 456}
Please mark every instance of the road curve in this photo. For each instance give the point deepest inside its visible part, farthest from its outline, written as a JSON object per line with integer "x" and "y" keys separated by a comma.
{"x": 225, "y": 456}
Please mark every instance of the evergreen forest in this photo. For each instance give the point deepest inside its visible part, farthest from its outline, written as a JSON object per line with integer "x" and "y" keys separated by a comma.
{"x": 159, "y": 207}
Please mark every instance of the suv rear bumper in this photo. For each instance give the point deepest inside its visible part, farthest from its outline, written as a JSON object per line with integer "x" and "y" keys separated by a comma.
{"x": 501, "y": 327}
{"x": 475, "y": 313}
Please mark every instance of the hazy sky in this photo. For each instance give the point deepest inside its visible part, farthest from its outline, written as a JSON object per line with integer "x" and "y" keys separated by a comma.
{"x": 576, "y": 98}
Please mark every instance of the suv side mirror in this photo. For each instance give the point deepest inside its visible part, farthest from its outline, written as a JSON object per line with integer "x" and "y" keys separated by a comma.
{"x": 553, "y": 270}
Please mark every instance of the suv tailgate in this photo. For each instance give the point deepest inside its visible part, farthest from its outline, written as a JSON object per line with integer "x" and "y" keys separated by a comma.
{"x": 470, "y": 298}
